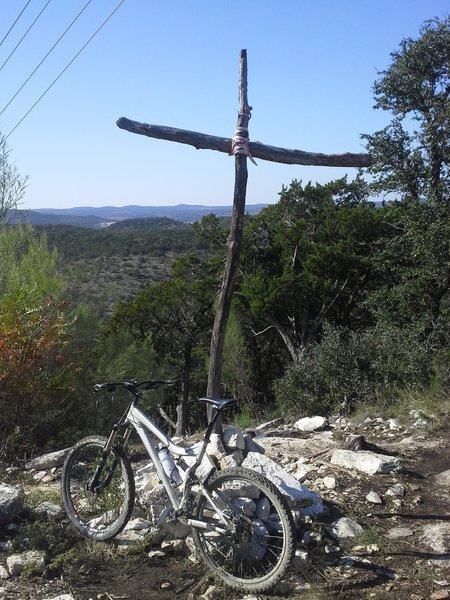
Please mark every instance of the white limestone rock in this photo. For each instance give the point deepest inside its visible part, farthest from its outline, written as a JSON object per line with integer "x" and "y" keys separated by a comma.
{"x": 11, "y": 502}
{"x": 345, "y": 528}
{"x": 251, "y": 445}
{"x": 310, "y": 423}
{"x": 47, "y": 461}
{"x": 32, "y": 561}
{"x": 443, "y": 479}
{"x": 215, "y": 447}
{"x": 50, "y": 510}
{"x": 137, "y": 524}
{"x": 397, "y": 489}
{"x": 298, "y": 496}
{"x": 270, "y": 424}
{"x": 374, "y": 498}
{"x": 437, "y": 536}
{"x": 366, "y": 461}
{"x": 233, "y": 439}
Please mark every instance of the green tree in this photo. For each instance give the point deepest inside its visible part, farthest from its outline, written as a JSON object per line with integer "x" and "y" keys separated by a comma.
{"x": 12, "y": 184}
{"x": 411, "y": 155}
{"x": 413, "y": 267}
{"x": 411, "y": 160}
{"x": 35, "y": 374}
{"x": 175, "y": 317}
{"x": 308, "y": 258}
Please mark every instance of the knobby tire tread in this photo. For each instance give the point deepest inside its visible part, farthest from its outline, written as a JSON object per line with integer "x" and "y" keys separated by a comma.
{"x": 267, "y": 582}
{"x": 127, "y": 473}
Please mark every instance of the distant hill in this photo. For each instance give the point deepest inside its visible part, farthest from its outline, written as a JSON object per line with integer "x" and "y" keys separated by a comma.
{"x": 104, "y": 216}
{"x": 34, "y": 217}
{"x": 143, "y": 223}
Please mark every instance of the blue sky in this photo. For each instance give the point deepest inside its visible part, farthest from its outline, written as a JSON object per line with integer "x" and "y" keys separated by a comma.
{"x": 311, "y": 67}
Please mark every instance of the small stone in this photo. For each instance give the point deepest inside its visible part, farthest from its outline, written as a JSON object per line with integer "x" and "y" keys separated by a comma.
{"x": 3, "y": 573}
{"x": 396, "y": 490}
{"x": 346, "y": 528}
{"x": 440, "y": 595}
{"x": 270, "y": 424}
{"x": 52, "y": 511}
{"x": 11, "y": 502}
{"x": 215, "y": 446}
{"x": 233, "y": 439}
{"x": 166, "y": 585}
{"x": 374, "y": 498}
{"x": 329, "y": 482}
{"x": 156, "y": 554}
{"x": 137, "y": 525}
{"x": 33, "y": 560}
{"x": 399, "y": 532}
{"x": 174, "y": 546}
{"x": 228, "y": 462}
{"x": 443, "y": 478}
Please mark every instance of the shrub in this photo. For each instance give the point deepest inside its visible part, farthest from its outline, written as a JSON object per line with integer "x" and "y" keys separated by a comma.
{"x": 346, "y": 368}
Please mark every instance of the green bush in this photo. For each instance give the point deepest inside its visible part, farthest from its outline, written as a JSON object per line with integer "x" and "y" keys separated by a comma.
{"x": 347, "y": 368}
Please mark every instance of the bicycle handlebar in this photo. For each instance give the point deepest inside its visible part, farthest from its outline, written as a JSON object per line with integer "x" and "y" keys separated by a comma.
{"x": 133, "y": 386}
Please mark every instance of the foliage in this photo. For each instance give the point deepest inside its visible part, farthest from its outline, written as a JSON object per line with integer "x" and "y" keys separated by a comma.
{"x": 81, "y": 243}
{"x": 412, "y": 154}
{"x": 12, "y": 184}
{"x": 237, "y": 376}
{"x": 34, "y": 327}
{"x": 348, "y": 368}
{"x": 175, "y": 317}
{"x": 413, "y": 267}
{"x": 307, "y": 258}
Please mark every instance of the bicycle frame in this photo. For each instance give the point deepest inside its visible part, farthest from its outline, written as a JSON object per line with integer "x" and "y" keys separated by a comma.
{"x": 143, "y": 425}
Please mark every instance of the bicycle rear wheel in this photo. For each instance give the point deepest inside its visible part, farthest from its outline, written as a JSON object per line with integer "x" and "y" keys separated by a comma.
{"x": 102, "y": 513}
{"x": 256, "y": 550}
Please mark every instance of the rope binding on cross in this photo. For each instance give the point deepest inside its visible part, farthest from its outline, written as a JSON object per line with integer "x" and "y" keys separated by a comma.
{"x": 240, "y": 143}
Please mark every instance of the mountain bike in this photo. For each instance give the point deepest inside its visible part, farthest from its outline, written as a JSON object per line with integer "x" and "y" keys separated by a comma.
{"x": 242, "y": 528}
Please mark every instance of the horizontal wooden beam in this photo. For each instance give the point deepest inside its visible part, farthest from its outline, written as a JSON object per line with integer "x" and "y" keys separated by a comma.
{"x": 258, "y": 150}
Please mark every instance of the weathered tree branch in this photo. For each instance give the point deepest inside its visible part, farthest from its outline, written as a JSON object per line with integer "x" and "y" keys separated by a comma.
{"x": 271, "y": 153}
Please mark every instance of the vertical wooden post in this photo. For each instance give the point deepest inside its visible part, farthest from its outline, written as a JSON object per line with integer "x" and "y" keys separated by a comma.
{"x": 234, "y": 239}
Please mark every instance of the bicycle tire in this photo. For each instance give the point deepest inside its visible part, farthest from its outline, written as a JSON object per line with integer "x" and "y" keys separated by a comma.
{"x": 256, "y": 555}
{"x": 104, "y": 514}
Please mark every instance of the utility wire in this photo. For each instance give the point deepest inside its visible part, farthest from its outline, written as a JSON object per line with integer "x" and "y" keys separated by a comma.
{"x": 25, "y": 34}
{"x": 65, "y": 68}
{"x": 46, "y": 56}
{"x": 11, "y": 28}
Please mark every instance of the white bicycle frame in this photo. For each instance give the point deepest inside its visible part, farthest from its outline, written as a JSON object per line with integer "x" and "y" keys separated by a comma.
{"x": 143, "y": 426}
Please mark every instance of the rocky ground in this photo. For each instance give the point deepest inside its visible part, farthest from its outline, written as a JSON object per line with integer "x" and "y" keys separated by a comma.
{"x": 378, "y": 527}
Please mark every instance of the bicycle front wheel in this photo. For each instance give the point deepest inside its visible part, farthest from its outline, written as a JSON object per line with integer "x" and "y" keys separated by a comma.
{"x": 99, "y": 512}
{"x": 256, "y": 549}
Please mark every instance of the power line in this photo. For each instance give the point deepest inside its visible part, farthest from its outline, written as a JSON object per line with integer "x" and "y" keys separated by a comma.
{"x": 65, "y": 68}
{"x": 46, "y": 56}
{"x": 11, "y": 28}
{"x": 25, "y": 34}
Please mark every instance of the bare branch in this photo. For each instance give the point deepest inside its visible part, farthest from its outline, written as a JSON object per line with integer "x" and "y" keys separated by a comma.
{"x": 257, "y": 149}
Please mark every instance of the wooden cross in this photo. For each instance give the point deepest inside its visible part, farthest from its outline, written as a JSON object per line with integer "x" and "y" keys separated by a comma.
{"x": 241, "y": 147}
